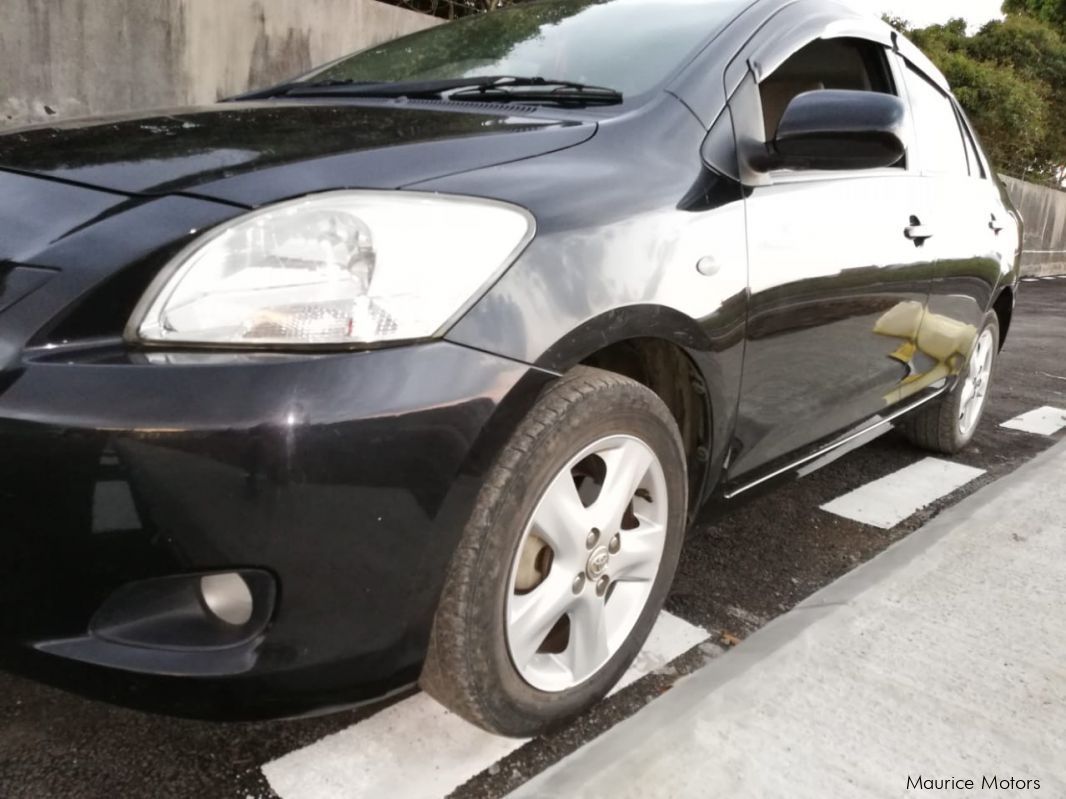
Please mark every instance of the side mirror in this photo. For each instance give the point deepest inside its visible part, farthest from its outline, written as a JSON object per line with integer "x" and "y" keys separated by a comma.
{"x": 834, "y": 129}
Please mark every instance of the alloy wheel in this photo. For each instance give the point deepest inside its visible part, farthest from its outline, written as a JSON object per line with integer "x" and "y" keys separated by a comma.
{"x": 976, "y": 382}
{"x": 586, "y": 563}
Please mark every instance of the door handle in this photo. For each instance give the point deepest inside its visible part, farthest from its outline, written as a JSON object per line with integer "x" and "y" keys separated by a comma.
{"x": 996, "y": 226}
{"x": 917, "y": 232}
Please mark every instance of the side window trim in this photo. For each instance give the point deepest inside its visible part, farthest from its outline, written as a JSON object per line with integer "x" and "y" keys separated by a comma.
{"x": 973, "y": 166}
{"x": 983, "y": 167}
{"x": 896, "y": 66}
{"x": 794, "y": 27}
{"x": 917, "y": 151}
{"x": 921, "y": 74}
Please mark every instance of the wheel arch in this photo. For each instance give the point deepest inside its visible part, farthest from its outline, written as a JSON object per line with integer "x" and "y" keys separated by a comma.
{"x": 692, "y": 370}
{"x": 666, "y": 369}
{"x": 1004, "y": 308}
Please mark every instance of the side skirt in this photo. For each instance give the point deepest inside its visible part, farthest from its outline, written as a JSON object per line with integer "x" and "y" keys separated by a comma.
{"x": 823, "y": 456}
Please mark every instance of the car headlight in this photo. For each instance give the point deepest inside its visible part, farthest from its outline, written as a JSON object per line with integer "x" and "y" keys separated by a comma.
{"x": 349, "y": 267}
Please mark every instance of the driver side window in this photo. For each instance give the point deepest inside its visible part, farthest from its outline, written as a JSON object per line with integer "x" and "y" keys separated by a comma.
{"x": 851, "y": 64}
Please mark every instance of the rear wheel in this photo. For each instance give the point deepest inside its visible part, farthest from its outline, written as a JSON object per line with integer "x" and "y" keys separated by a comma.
{"x": 948, "y": 424}
{"x": 566, "y": 560}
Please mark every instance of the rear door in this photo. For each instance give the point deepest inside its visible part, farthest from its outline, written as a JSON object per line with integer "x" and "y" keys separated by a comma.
{"x": 838, "y": 290}
{"x": 973, "y": 235}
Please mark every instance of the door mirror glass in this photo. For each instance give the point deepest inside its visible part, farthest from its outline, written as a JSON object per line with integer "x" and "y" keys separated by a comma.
{"x": 834, "y": 129}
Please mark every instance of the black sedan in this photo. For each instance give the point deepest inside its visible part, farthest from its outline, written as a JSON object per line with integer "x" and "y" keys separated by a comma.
{"x": 417, "y": 368}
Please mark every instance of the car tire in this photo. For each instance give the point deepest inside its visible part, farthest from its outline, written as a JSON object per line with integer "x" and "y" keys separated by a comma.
{"x": 949, "y": 423}
{"x": 484, "y": 661}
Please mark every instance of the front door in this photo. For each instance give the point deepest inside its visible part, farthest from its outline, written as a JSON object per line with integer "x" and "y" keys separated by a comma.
{"x": 839, "y": 276}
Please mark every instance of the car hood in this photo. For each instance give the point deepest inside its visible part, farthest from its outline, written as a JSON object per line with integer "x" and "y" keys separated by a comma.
{"x": 256, "y": 153}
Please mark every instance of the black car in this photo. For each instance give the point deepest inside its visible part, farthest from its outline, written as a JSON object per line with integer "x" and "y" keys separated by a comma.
{"x": 418, "y": 367}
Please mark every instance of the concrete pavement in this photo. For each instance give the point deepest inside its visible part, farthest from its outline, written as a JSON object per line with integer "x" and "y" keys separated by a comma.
{"x": 943, "y": 658}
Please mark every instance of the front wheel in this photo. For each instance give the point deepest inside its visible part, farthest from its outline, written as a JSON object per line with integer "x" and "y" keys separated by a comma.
{"x": 948, "y": 424}
{"x": 566, "y": 560}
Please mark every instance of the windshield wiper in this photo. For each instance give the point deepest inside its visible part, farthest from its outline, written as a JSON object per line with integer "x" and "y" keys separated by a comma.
{"x": 407, "y": 88}
{"x": 539, "y": 90}
{"x": 492, "y": 88}
{"x": 283, "y": 89}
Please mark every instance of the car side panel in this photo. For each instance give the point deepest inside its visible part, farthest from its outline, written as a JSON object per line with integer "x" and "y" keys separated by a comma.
{"x": 621, "y": 227}
{"x": 837, "y": 298}
{"x": 972, "y": 260}
{"x": 975, "y": 234}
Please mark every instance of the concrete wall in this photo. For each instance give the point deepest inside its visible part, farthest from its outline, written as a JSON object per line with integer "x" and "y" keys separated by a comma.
{"x": 62, "y": 58}
{"x": 1044, "y": 212}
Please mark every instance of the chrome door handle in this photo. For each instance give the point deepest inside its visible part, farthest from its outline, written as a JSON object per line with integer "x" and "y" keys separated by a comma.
{"x": 918, "y": 233}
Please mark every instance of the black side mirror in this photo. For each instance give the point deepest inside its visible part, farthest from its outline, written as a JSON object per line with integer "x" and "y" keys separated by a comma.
{"x": 834, "y": 129}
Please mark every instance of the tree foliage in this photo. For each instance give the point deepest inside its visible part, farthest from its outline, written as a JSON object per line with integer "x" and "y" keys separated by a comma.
{"x": 1010, "y": 77}
{"x": 1053, "y": 12}
{"x": 451, "y": 9}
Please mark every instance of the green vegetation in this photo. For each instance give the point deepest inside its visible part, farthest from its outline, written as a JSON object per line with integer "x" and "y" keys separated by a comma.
{"x": 1010, "y": 76}
{"x": 1052, "y": 12}
{"x": 452, "y": 9}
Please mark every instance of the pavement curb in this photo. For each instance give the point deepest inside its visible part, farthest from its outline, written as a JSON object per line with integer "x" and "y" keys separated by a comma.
{"x": 683, "y": 698}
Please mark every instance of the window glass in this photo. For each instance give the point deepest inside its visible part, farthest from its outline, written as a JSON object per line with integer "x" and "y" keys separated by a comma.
{"x": 628, "y": 45}
{"x": 823, "y": 64}
{"x": 940, "y": 140}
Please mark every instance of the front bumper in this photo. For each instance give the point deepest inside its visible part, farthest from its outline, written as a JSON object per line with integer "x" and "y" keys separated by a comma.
{"x": 345, "y": 477}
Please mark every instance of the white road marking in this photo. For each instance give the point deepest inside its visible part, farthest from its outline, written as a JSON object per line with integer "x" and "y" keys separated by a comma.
{"x": 1044, "y": 421}
{"x": 671, "y": 637}
{"x": 418, "y": 750}
{"x": 414, "y": 749}
{"x": 886, "y": 502}
{"x": 113, "y": 507}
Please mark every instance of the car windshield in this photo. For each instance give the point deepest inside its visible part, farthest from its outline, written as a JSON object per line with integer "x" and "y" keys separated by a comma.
{"x": 629, "y": 45}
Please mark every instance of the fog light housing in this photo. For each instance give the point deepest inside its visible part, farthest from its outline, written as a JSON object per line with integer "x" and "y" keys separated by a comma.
{"x": 228, "y": 597}
{"x": 191, "y": 612}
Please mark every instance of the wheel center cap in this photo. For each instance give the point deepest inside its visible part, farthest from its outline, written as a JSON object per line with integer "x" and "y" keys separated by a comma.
{"x": 597, "y": 563}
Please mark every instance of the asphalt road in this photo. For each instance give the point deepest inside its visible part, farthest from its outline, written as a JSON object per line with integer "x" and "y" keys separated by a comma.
{"x": 737, "y": 573}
